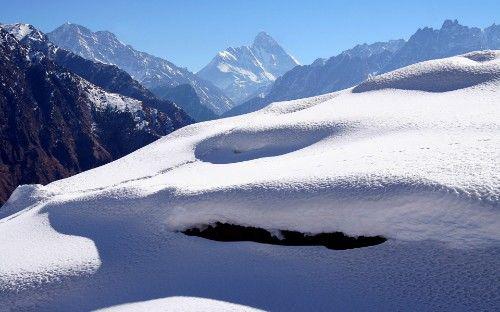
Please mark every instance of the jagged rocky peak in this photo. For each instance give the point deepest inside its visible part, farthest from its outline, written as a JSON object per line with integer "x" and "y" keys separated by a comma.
{"x": 272, "y": 56}
{"x": 243, "y": 72}
{"x": 367, "y": 50}
{"x": 456, "y": 28}
{"x": 21, "y": 31}
{"x": 492, "y": 36}
{"x": 263, "y": 39}
{"x": 72, "y": 26}
{"x": 448, "y": 27}
{"x": 450, "y": 23}
{"x": 82, "y": 41}
{"x": 428, "y": 43}
{"x": 68, "y": 28}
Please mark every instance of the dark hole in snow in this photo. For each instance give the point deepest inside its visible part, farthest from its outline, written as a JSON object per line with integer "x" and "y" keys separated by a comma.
{"x": 224, "y": 232}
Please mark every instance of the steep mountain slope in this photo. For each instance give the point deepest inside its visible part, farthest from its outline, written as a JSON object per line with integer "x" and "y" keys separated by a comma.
{"x": 451, "y": 39}
{"x": 395, "y": 156}
{"x": 241, "y": 72}
{"x": 353, "y": 66}
{"x": 149, "y": 70}
{"x": 108, "y": 77}
{"x": 55, "y": 124}
{"x": 186, "y": 95}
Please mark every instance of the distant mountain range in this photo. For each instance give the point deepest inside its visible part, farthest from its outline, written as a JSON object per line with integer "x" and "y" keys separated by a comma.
{"x": 149, "y": 70}
{"x": 355, "y": 65}
{"x": 243, "y": 72}
{"x": 61, "y": 114}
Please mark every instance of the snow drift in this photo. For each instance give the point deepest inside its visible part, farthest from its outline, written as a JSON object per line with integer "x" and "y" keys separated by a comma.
{"x": 439, "y": 75}
{"x": 385, "y": 158}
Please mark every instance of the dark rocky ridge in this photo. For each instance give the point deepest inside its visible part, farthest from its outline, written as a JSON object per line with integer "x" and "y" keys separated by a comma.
{"x": 108, "y": 77}
{"x": 54, "y": 124}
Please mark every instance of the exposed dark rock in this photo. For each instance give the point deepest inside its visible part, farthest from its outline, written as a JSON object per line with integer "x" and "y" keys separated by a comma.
{"x": 108, "y": 77}
{"x": 54, "y": 124}
{"x": 224, "y": 232}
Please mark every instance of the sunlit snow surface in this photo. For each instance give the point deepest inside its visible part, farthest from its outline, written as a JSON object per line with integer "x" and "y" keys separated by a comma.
{"x": 419, "y": 167}
{"x": 181, "y": 304}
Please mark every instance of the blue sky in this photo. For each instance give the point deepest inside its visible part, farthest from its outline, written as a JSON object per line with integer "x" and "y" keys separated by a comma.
{"x": 190, "y": 32}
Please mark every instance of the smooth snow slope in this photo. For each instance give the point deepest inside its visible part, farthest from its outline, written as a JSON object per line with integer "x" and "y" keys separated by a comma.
{"x": 418, "y": 167}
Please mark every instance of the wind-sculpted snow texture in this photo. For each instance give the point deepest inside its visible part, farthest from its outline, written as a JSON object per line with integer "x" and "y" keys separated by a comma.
{"x": 355, "y": 65}
{"x": 420, "y": 168}
{"x": 439, "y": 75}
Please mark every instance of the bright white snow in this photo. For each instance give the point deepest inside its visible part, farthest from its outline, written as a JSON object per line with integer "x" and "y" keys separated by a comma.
{"x": 181, "y": 304}
{"x": 19, "y": 30}
{"x": 420, "y": 168}
{"x": 439, "y": 75}
{"x": 103, "y": 99}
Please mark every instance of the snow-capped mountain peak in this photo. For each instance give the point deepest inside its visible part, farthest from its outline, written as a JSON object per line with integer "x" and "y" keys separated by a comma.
{"x": 244, "y": 71}
{"x": 263, "y": 39}
{"x": 92, "y": 45}
{"x": 149, "y": 70}
{"x": 226, "y": 55}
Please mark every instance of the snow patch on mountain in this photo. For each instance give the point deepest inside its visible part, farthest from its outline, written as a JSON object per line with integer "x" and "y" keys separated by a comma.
{"x": 104, "y": 99}
{"x": 21, "y": 30}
